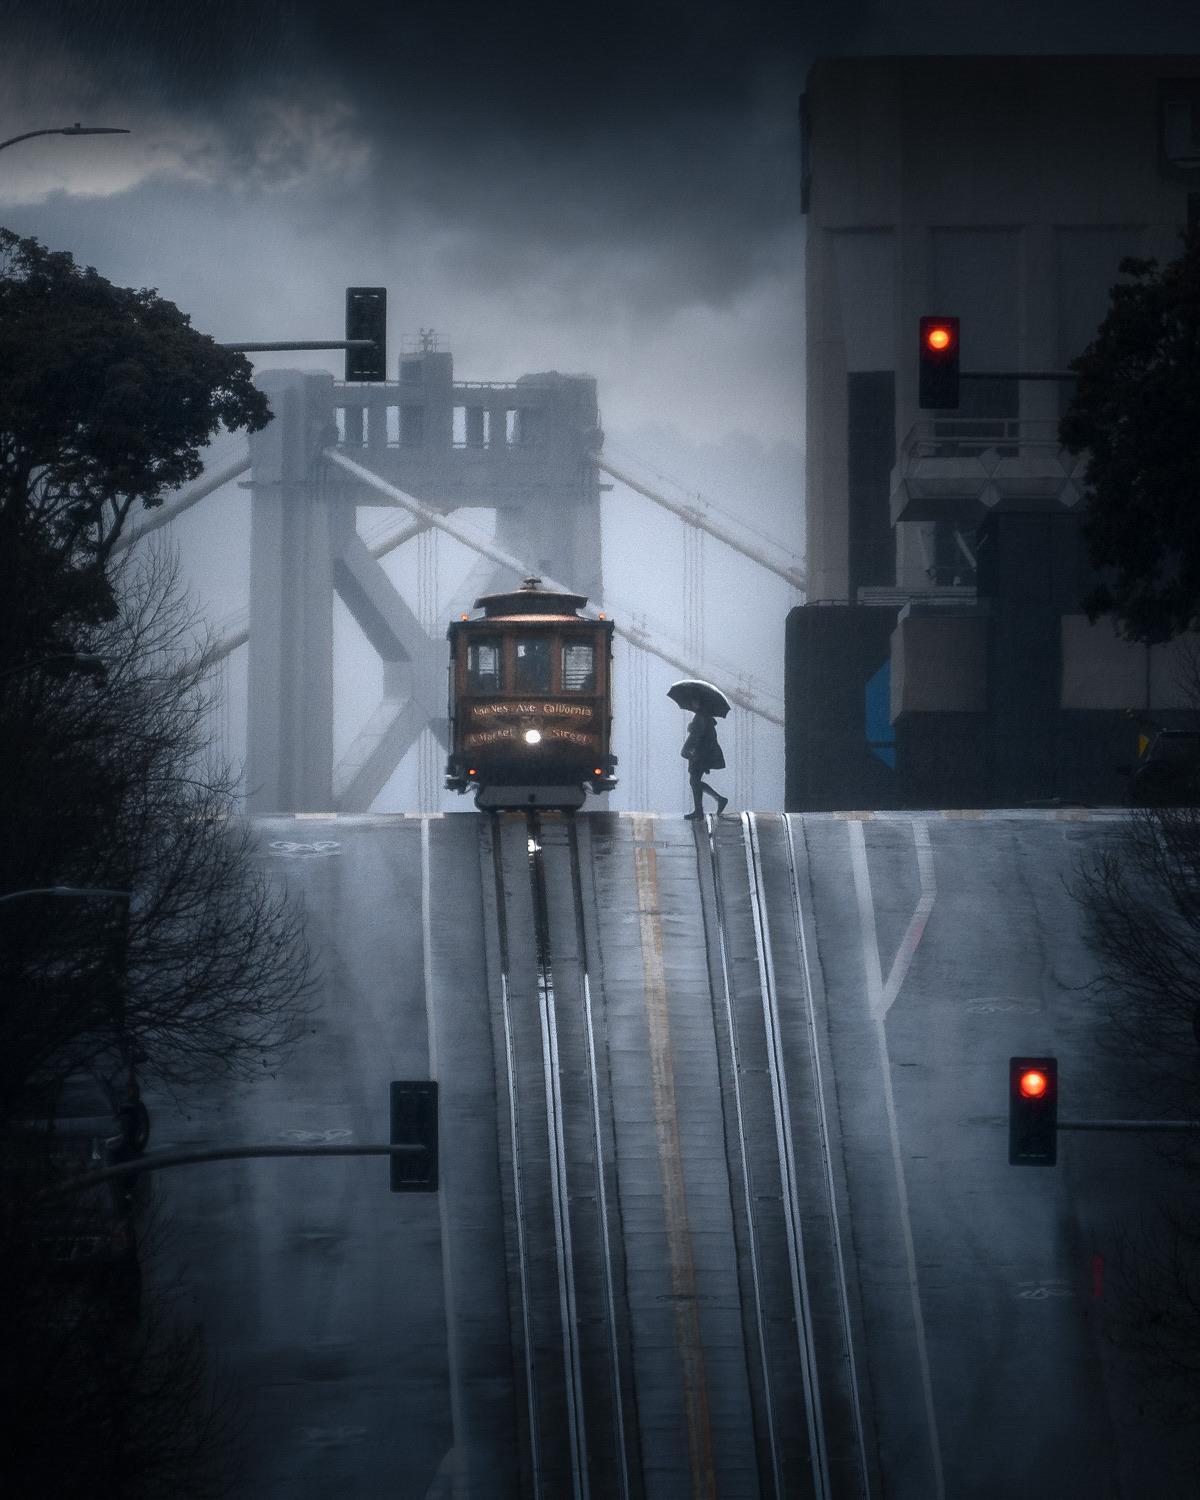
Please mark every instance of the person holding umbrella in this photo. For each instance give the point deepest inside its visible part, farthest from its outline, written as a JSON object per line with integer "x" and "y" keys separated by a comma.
{"x": 701, "y": 748}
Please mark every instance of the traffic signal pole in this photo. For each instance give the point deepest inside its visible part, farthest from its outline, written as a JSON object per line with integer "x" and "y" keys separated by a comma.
{"x": 1017, "y": 375}
{"x": 156, "y": 1161}
{"x": 1033, "y": 1122}
{"x": 414, "y": 1131}
{"x": 300, "y": 344}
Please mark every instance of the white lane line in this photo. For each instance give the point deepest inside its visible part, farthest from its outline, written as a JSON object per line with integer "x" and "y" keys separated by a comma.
{"x": 458, "y": 1420}
{"x": 916, "y": 927}
{"x": 871, "y": 965}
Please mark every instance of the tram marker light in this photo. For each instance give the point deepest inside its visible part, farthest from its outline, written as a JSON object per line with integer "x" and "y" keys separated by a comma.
{"x": 1032, "y": 1111}
{"x": 937, "y": 364}
{"x": 414, "y": 1109}
{"x": 366, "y": 318}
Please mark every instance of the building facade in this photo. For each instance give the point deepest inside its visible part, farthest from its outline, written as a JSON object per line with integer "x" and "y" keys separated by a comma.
{"x": 943, "y": 657}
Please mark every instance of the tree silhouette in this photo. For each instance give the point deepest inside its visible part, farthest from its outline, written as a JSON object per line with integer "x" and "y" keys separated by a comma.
{"x": 1136, "y": 412}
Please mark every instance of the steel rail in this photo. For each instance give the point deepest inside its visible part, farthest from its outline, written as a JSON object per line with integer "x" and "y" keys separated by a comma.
{"x": 843, "y": 1292}
{"x": 752, "y": 1227}
{"x": 563, "y": 1250}
{"x": 788, "y": 1181}
{"x": 515, "y": 1148}
{"x": 610, "y": 1301}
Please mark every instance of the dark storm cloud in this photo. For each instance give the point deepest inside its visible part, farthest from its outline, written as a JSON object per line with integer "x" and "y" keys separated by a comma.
{"x": 562, "y": 130}
{"x": 639, "y": 151}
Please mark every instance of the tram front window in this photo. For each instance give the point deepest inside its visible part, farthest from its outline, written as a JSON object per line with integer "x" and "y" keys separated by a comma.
{"x": 578, "y": 669}
{"x": 483, "y": 667}
{"x": 533, "y": 665}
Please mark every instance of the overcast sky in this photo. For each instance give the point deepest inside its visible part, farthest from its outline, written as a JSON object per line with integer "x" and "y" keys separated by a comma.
{"x": 610, "y": 187}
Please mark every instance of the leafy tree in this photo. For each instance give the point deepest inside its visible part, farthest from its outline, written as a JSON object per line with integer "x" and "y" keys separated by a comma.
{"x": 107, "y": 397}
{"x": 1136, "y": 411}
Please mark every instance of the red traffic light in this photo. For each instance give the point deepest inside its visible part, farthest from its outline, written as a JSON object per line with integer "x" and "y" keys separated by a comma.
{"x": 1032, "y": 1111}
{"x": 937, "y": 363}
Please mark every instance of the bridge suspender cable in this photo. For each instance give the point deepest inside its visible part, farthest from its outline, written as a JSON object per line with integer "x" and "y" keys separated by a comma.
{"x": 469, "y": 538}
{"x": 185, "y": 501}
{"x": 695, "y": 516}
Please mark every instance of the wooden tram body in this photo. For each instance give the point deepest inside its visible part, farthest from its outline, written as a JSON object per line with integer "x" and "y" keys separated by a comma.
{"x": 530, "y": 701}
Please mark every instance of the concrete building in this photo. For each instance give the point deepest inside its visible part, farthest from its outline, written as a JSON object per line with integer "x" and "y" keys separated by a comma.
{"x": 943, "y": 657}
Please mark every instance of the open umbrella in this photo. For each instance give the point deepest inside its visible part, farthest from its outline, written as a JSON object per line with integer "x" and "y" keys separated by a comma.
{"x": 699, "y": 697}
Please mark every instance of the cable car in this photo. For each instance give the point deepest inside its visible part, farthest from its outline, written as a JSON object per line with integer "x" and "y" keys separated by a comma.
{"x": 530, "y": 701}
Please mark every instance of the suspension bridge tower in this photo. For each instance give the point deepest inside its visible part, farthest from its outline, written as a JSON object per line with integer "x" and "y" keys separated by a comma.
{"x": 427, "y": 446}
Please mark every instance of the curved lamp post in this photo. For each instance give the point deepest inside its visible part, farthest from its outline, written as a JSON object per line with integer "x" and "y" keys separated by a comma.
{"x": 76, "y": 129}
{"x": 69, "y": 890}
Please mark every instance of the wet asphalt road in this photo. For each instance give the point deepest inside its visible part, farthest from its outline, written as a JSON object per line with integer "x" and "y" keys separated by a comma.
{"x": 949, "y": 1341}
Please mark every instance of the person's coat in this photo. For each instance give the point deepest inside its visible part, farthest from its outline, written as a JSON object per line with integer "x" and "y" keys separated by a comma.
{"x": 701, "y": 749}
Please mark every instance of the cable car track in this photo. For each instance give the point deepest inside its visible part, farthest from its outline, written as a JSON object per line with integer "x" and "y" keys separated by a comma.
{"x": 785, "y": 1145}
{"x": 770, "y": 1403}
{"x": 779, "y": 1124}
{"x": 558, "y": 1175}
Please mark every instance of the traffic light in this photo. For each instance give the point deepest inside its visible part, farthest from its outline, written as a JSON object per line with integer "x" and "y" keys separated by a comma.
{"x": 1032, "y": 1111}
{"x": 938, "y": 364}
{"x": 415, "y": 1123}
{"x": 366, "y": 318}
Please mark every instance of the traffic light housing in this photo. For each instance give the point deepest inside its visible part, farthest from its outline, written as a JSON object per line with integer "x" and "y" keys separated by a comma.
{"x": 937, "y": 363}
{"x": 366, "y": 318}
{"x": 414, "y": 1108}
{"x": 1032, "y": 1111}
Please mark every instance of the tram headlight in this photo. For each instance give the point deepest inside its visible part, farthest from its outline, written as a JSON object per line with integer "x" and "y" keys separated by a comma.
{"x": 533, "y": 736}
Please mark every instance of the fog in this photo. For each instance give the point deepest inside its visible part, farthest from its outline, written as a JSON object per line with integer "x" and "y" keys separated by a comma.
{"x": 615, "y": 192}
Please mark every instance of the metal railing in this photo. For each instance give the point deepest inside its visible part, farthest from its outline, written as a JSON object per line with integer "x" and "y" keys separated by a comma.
{"x": 971, "y": 437}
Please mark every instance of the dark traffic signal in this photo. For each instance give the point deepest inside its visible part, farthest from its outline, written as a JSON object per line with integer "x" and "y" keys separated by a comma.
{"x": 366, "y": 318}
{"x": 415, "y": 1123}
{"x": 938, "y": 364}
{"x": 1032, "y": 1111}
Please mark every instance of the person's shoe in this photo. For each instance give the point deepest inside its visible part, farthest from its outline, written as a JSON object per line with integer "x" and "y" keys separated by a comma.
{"x": 693, "y": 817}
{"x": 722, "y": 804}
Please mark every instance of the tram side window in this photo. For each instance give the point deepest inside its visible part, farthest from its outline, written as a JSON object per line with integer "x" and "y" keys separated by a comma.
{"x": 578, "y": 669}
{"x": 533, "y": 665}
{"x": 483, "y": 667}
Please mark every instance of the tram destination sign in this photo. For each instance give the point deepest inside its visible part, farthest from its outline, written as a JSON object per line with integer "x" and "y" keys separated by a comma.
{"x": 559, "y": 734}
{"x": 541, "y": 708}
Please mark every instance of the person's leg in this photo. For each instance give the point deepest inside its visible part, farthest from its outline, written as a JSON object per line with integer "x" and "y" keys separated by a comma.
{"x": 722, "y": 802}
{"x": 696, "y": 784}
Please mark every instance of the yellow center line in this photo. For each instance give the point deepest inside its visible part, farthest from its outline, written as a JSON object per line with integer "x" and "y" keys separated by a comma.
{"x": 670, "y": 1162}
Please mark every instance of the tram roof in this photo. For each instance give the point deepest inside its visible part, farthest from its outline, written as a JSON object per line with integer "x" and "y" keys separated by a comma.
{"x": 530, "y": 602}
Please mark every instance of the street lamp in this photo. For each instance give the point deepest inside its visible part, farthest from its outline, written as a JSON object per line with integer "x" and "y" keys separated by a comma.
{"x": 76, "y": 129}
